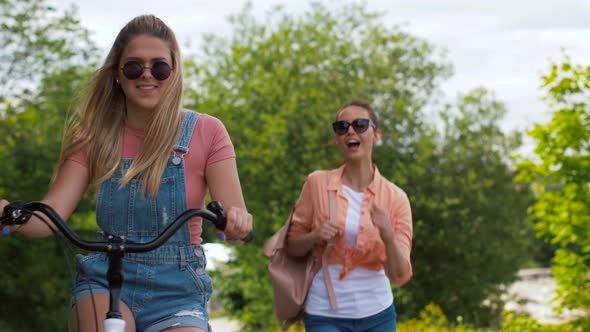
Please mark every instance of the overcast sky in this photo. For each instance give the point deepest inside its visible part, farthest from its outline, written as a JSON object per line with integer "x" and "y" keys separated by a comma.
{"x": 502, "y": 45}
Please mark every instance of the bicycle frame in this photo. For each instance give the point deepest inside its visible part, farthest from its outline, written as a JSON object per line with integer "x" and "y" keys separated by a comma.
{"x": 115, "y": 247}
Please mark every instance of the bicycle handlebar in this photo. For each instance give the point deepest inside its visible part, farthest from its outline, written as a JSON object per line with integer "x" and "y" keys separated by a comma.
{"x": 19, "y": 212}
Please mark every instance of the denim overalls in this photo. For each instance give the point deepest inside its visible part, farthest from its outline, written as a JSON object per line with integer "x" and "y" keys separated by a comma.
{"x": 169, "y": 285}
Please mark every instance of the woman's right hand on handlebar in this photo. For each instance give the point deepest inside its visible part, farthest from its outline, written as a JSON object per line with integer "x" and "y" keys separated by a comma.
{"x": 239, "y": 223}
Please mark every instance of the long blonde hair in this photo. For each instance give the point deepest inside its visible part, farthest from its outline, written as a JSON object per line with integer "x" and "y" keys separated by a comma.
{"x": 97, "y": 124}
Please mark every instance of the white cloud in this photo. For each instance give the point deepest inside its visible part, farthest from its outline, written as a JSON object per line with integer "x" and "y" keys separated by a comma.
{"x": 514, "y": 14}
{"x": 502, "y": 45}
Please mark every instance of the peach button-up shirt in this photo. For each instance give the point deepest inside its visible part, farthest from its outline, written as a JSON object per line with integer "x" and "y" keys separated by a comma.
{"x": 312, "y": 209}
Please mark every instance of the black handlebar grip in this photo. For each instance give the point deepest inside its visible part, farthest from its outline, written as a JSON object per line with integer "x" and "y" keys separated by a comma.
{"x": 221, "y": 223}
{"x": 13, "y": 214}
{"x": 216, "y": 208}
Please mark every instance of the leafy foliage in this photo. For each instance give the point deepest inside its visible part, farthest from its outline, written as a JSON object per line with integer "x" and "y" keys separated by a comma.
{"x": 38, "y": 47}
{"x": 560, "y": 173}
{"x": 515, "y": 323}
{"x": 471, "y": 230}
{"x": 36, "y": 40}
{"x": 432, "y": 319}
{"x": 29, "y": 143}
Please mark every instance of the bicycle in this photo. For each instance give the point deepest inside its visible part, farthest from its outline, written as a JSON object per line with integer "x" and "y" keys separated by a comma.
{"x": 19, "y": 212}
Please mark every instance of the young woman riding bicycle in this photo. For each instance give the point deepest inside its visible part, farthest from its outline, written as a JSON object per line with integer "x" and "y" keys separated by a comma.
{"x": 148, "y": 160}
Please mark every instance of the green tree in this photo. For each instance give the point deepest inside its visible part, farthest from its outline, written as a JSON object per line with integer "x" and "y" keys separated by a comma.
{"x": 276, "y": 84}
{"x": 37, "y": 277}
{"x": 37, "y": 39}
{"x": 560, "y": 174}
{"x": 44, "y": 56}
{"x": 470, "y": 223}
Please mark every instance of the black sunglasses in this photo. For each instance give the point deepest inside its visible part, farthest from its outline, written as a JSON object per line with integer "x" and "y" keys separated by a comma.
{"x": 359, "y": 125}
{"x": 133, "y": 70}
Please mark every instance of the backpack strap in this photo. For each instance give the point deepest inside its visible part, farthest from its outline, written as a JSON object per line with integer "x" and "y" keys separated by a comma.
{"x": 327, "y": 278}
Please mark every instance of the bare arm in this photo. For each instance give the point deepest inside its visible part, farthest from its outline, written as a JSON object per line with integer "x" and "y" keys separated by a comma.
{"x": 396, "y": 266}
{"x": 224, "y": 186}
{"x": 63, "y": 197}
{"x": 397, "y": 243}
{"x": 301, "y": 245}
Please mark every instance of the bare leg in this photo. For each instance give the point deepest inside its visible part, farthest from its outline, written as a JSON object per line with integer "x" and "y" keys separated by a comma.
{"x": 84, "y": 320}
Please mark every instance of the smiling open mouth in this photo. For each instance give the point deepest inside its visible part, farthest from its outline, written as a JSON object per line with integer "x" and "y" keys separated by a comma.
{"x": 352, "y": 144}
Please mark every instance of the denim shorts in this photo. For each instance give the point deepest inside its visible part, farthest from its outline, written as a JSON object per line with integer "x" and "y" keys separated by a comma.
{"x": 384, "y": 321}
{"x": 164, "y": 288}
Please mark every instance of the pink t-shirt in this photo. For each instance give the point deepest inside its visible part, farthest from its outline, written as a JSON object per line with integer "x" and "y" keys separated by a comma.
{"x": 209, "y": 143}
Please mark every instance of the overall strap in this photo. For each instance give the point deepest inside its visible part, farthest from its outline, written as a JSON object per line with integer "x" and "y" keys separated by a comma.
{"x": 186, "y": 132}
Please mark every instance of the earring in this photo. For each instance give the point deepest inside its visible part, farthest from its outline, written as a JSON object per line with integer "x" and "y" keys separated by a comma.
{"x": 117, "y": 81}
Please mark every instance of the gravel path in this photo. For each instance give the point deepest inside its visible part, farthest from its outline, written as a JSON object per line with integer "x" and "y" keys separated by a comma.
{"x": 533, "y": 293}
